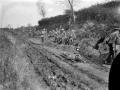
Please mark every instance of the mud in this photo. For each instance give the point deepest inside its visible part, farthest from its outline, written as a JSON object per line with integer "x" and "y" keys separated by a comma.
{"x": 29, "y": 66}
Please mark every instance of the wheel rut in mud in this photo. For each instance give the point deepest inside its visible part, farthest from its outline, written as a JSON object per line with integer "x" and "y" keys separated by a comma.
{"x": 80, "y": 76}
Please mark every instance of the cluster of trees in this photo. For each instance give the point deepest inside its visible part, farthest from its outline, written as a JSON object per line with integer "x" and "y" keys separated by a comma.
{"x": 70, "y": 5}
{"x": 54, "y": 22}
{"x": 106, "y": 13}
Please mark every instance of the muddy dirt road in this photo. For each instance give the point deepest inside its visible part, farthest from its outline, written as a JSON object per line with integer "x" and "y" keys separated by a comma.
{"x": 25, "y": 65}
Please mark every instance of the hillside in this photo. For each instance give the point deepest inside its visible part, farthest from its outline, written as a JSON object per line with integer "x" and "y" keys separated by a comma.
{"x": 101, "y": 13}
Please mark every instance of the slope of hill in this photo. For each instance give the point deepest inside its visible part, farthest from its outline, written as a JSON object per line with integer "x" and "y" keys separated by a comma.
{"x": 102, "y": 13}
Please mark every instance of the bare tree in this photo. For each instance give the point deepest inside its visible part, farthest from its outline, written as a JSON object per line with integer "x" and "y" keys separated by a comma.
{"x": 70, "y": 4}
{"x": 41, "y": 8}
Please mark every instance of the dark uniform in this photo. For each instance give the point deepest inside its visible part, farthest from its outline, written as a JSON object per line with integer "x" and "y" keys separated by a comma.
{"x": 114, "y": 74}
{"x": 112, "y": 46}
{"x": 110, "y": 41}
{"x": 42, "y": 38}
{"x": 111, "y": 54}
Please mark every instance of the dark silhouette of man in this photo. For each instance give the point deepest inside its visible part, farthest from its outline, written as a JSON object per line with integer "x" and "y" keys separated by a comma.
{"x": 114, "y": 75}
{"x": 111, "y": 53}
{"x": 98, "y": 42}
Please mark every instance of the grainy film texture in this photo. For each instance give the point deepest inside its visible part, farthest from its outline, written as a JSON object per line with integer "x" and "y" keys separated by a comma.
{"x": 58, "y": 44}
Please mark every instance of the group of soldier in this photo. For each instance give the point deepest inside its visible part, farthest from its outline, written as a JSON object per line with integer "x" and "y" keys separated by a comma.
{"x": 60, "y": 36}
{"x": 110, "y": 42}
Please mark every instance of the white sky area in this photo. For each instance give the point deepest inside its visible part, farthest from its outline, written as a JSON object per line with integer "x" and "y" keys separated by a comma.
{"x": 21, "y": 12}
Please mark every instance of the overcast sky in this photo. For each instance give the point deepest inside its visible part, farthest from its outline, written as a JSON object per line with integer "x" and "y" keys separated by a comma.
{"x": 21, "y": 12}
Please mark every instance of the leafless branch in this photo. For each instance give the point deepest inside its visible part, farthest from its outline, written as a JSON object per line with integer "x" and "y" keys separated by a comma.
{"x": 41, "y": 8}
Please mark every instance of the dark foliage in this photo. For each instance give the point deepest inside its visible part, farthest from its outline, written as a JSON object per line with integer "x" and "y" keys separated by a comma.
{"x": 54, "y": 22}
{"x": 112, "y": 4}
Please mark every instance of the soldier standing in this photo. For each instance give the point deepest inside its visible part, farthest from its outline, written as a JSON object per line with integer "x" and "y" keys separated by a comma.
{"x": 112, "y": 43}
{"x": 109, "y": 45}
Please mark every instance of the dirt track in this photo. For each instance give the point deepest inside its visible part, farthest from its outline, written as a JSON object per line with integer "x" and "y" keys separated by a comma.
{"x": 32, "y": 66}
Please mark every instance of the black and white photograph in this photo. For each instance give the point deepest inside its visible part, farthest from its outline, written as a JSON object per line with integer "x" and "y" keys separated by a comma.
{"x": 59, "y": 44}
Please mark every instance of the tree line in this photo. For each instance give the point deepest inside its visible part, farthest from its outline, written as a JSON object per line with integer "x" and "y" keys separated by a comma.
{"x": 102, "y": 13}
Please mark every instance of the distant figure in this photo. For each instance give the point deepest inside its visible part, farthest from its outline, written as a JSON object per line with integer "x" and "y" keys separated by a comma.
{"x": 69, "y": 22}
{"x": 114, "y": 75}
{"x": 42, "y": 38}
